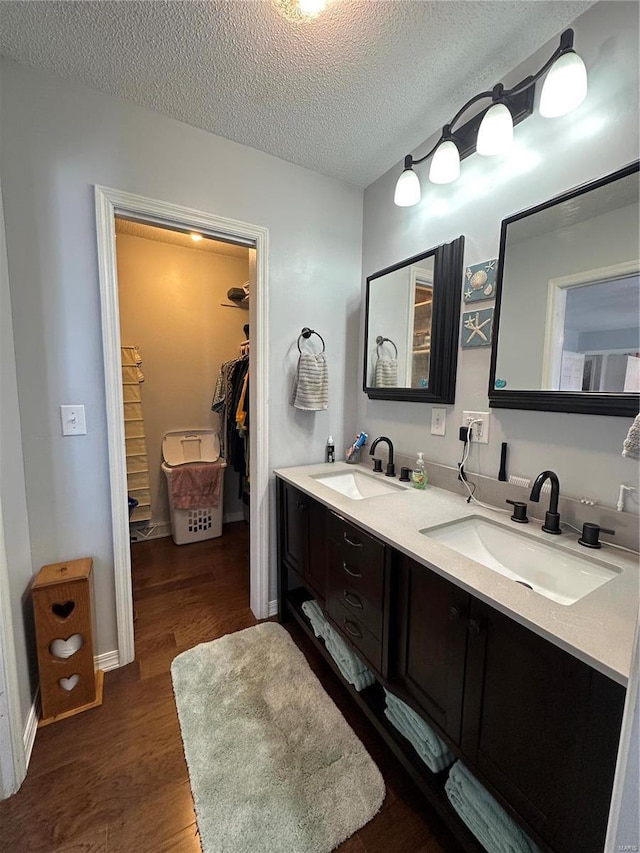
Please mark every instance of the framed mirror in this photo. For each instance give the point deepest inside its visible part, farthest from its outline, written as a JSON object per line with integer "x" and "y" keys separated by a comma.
{"x": 566, "y": 333}
{"x": 411, "y": 327}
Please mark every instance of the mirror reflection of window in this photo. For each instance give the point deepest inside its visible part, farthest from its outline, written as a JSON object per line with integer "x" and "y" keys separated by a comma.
{"x": 601, "y": 337}
{"x": 570, "y": 294}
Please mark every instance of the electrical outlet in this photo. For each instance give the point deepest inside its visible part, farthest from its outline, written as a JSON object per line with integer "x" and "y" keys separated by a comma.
{"x": 438, "y": 421}
{"x": 479, "y": 431}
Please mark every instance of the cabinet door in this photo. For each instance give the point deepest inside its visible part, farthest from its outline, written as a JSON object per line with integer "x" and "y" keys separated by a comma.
{"x": 295, "y": 528}
{"x": 428, "y": 627}
{"x": 542, "y": 727}
{"x": 316, "y": 569}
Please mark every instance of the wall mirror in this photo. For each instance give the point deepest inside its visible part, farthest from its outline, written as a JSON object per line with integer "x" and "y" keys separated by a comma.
{"x": 411, "y": 327}
{"x": 567, "y": 328}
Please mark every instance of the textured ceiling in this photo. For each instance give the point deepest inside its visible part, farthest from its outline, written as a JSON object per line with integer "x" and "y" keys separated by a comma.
{"x": 346, "y": 94}
{"x": 179, "y": 238}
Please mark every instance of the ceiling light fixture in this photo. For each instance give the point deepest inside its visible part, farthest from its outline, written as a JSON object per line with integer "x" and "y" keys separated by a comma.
{"x": 311, "y": 8}
{"x": 195, "y": 237}
{"x": 490, "y": 132}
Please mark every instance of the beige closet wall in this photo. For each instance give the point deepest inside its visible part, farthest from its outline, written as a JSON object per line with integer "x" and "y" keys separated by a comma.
{"x": 170, "y": 308}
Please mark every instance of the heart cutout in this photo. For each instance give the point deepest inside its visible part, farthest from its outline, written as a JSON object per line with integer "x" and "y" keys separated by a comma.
{"x": 63, "y": 609}
{"x": 69, "y": 683}
{"x": 66, "y": 648}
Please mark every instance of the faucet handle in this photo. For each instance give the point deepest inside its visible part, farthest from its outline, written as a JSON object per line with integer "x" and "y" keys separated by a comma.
{"x": 591, "y": 535}
{"x": 519, "y": 511}
{"x": 377, "y": 466}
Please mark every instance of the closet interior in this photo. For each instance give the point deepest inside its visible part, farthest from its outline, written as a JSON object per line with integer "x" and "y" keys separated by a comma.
{"x": 184, "y": 330}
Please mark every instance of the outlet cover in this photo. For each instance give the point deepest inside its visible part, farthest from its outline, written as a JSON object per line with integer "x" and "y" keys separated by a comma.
{"x": 480, "y": 431}
{"x": 438, "y": 421}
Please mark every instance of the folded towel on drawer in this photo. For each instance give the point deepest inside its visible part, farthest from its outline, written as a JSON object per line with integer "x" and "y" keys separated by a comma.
{"x": 352, "y": 668}
{"x": 431, "y": 748}
{"x": 349, "y": 664}
{"x": 313, "y": 612}
{"x": 484, "y": 816}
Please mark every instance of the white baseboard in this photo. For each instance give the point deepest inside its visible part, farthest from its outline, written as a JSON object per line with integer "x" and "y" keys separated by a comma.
{"x": 107, "y": 661}
{"x": 31, "y": 727}
{"x": 273, "y": 607}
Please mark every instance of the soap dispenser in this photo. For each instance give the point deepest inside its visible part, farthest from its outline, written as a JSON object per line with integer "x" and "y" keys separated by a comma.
{"x": 419, "y": 475}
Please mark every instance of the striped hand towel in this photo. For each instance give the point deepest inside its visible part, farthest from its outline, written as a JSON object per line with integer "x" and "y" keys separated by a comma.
{"x": 311, "y": 384}
{"x": 386, "y": 373}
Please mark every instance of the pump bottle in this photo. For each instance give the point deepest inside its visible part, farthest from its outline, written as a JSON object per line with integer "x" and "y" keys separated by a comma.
{"x": 419, "y": 475}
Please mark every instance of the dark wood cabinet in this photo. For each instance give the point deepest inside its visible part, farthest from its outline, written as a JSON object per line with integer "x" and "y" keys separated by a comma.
{"x": 542, "y": 727}
{"x": 428, "y": 629}
{"x": 537, "y": 726}
{"x": 302, "y": 538}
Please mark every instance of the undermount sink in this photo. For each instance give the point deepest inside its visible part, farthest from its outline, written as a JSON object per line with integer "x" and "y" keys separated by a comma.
{"x": 357, "y": 485}
{"x": 550, "y": 570}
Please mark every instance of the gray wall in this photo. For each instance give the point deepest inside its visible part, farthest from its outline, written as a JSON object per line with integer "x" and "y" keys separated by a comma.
{"x": 59, "y": 139}
{"x": 12, "y": 496}
{"x": 550, "y": 155}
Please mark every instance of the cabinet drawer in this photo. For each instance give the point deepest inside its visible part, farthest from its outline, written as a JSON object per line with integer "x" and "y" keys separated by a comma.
{"x": 358, "y": 556}
{"x": 351, "y": 596}
{"x": 358, "y": 636}
{"x": 355, "y": 572}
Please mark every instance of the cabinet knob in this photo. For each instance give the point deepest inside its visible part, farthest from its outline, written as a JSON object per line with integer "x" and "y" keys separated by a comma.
{"x": 352, "y": 599}
{"x": 475, "y": 627}
{"x": 351, "y": 542}
{"x": 351, "y": 628}
{"x": 301, "y": 505}
{"x": 455, "y": 613}
{"x": 350, "y": 571}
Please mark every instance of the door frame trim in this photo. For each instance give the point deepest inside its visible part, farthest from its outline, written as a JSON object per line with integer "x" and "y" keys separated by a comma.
{"x": 109, "y": 203}
{"x": 13, "y": 760}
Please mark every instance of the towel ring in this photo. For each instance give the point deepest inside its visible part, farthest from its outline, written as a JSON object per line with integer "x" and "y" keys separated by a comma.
{"x": 380, "y": 340}
{"x": 306, "y": 334}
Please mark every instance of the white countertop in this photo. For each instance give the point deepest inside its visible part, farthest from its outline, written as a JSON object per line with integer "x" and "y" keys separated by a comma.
{"x": 598, "y": 629}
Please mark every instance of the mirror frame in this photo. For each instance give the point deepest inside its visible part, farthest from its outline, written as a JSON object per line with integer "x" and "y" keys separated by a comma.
{"x": 447, "y": 292}
{"x": 582, "y": 402}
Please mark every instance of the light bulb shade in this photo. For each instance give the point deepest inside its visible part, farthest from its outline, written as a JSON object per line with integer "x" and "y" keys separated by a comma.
{"x": 445, "y": 165}
{"x": 495, "y": 133}
{"x": 407, "y": 189}
{"x": 565, "y": 86}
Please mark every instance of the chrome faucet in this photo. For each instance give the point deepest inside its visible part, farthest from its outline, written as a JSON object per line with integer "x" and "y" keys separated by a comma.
{"x": 552, "y": 517}
{"x": 377, "y": 465}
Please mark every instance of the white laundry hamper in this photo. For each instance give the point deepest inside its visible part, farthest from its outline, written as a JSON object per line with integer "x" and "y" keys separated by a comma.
{"x": 183, "y": 448}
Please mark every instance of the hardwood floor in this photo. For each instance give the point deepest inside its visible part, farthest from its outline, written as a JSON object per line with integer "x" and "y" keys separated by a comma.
{"x": 114, "y": 779}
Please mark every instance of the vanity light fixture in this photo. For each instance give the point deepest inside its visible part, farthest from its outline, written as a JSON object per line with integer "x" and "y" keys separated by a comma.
{"x": 490, "y": 132}
{"x": 195, "y": 236}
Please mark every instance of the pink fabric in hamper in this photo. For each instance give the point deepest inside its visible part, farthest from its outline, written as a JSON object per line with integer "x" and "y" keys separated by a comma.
{"x": 197, "y": 485}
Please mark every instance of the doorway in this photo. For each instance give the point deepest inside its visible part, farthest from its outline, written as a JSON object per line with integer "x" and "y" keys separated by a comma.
{"x": 109, "y": 204}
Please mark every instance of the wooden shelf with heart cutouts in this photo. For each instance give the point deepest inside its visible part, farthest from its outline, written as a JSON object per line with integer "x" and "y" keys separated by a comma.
{"x": 62, "y": 595}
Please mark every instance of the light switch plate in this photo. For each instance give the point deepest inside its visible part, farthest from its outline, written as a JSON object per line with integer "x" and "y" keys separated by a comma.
{"x": 438, "y": 421}
{"x": 73, "y": 420}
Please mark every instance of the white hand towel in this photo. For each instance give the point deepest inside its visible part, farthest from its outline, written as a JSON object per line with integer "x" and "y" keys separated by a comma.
{"x": 631, "y": 446}
{"x": 311, "y": 384}
{"x": 386, "y": 373}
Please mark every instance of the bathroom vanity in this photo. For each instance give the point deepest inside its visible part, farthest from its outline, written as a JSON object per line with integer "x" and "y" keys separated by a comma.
{"x": 527, "y": 691}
